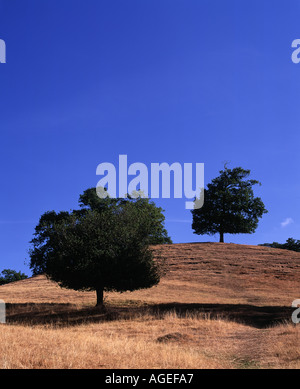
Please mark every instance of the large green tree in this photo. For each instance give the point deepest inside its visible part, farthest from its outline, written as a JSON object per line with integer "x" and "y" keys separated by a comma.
{"x": 229, "y": 205}
{"x": 154, "y": 217}
{"x": 104, "y": 246}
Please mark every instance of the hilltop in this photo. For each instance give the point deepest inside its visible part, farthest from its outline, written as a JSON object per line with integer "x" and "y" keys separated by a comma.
{"x": 198, "y": 273}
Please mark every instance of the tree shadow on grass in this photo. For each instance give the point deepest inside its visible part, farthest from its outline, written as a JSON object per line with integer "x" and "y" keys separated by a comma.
{"x": 62, "y": 315}
{"x": 59, "y": 314}
{"x": 252, "y": 315}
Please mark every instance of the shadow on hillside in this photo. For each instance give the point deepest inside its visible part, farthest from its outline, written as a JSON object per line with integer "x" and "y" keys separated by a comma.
{"x": 254, "y": 316}
{"x": 69, "y": 314}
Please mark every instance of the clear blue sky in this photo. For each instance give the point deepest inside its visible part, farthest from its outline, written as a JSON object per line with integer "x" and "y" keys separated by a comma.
{"x": 159, "y": 80}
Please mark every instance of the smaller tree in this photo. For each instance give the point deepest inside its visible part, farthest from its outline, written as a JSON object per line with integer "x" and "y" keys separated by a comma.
{"x": 9, "y": 275}
{"x": 290, "y": 244}
{"x": 229, "y": 205}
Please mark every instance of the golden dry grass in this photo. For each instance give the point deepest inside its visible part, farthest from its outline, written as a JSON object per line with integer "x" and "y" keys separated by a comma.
{"x": 145, "y": 342}
{"x": 122, "y": 344}
{"x": 198, "y": 272}
{"x": 220, "y": 306}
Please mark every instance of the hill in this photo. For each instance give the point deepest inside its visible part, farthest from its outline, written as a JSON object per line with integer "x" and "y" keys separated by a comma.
{"x": 219, "y": 306}
{"x": 198, "y": 273}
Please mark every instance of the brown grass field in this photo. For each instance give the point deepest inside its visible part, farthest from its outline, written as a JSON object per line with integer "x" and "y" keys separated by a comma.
{"x": 219, "y": 306}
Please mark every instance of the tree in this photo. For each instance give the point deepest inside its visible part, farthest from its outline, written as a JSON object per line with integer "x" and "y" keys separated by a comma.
{"x": 290, "y": 244}
{"x": 9, "y": 275}
{"x": 229, "y": 205}
{"x": 157, "y": 234}
{"x": 104, "y": 246}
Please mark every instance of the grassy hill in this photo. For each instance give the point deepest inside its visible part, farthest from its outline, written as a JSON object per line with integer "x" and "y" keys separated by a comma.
{"x": 198, "y": 273}
{"x": 219, "y": 306}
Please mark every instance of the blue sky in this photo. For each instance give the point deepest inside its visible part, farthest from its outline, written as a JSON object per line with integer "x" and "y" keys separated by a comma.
{"x": 158, "y": 80}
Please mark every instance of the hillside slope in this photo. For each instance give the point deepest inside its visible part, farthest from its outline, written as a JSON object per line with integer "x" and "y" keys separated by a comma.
{"x": 198, "y": 273}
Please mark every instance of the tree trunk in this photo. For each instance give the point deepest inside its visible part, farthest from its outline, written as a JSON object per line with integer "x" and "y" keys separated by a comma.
{"x": 221, "y": 237}
{"x": 99, "y": 293}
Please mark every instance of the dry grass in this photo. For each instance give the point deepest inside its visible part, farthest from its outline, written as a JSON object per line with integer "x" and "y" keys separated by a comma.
{"x": 122, "y": 344}
{"x": 171, "y": 342}
{"x": 220, "y": 306}
{"x": 145, "y": 342}
{"x": 283, "y": 343}
{"x": 198, "y": 272}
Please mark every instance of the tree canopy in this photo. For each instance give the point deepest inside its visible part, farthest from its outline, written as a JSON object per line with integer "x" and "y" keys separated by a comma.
{"x": 9, "y": 275}
{"x": 154, "y": 217}
{"x": 104, "y": 246}
{"x": 290, "y": 244}
{"x": 229, "y": 205}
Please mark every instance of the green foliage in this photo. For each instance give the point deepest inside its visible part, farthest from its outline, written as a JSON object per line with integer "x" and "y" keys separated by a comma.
{"x": 290, "y": 244}
{"x": 103, "y": 246}
{"x": 154, "y": 217}
{"x": 229, "y": 205}
{"x": 9, "y": 275}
